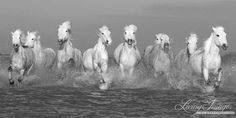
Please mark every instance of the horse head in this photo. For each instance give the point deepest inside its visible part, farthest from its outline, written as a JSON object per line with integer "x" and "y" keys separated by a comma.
{"x": 64, "y": 32}
{"x": 220, "y": 37}
{"x": 129, "y": 35}
{"x": 31, "y": 39}
{"x": 165, "y": 41}
{"x": 105, "y": 35}
{"x": 191, "y": 43}
{"x": 17, "y": 36}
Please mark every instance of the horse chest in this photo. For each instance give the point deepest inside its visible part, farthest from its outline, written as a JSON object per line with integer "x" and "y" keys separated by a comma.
{"x": 101, "y": 55}
{"x": 128, "y": 58}
{"x": 212, "y": 61}
{"x": 62, "y": 56}
{"x": 17, "y": 61}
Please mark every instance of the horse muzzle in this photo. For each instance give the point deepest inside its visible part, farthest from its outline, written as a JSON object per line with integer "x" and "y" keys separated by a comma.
{"x": 130, "y": 41}
{"x": 166, "y": 47}
{"x": 224, "y": 47}
{"x": 16, "y": 47}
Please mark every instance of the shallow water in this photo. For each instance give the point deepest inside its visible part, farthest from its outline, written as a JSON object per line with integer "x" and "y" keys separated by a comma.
{"x": 44, "y": 95}
{"x": 72, "y": 102}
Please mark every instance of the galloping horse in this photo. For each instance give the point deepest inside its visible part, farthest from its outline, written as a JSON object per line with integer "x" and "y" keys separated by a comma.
{"x": 96, "y": 58}
{"x": 44, "y": 57}
{"x": 183, "y": 57}
{"x": 127, "y": 54}
{"x": 158, "y": 55}
{"x": 149, "y": 49}
{"x": 67, "y": 53}
{"x": 208, "y": 60}
{"x": 22, "y": 59}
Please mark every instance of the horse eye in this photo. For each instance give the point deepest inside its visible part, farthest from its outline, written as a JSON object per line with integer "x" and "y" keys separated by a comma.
{"x": 32, "y": 39}
{"x": 218, "y": 35}
{"x": 102, "y": 33}
{"x": 125, "y": 32}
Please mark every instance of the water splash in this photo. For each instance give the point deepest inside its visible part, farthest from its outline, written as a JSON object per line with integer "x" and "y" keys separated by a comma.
{"x": 142, "y": 77}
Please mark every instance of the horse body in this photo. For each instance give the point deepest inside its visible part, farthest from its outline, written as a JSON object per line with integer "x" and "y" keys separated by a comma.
{"x": 129, "y": 57}
{"x": 45, "y": 57}
{"x": 127, "y": 54}
{"x": 67, "y": 53}
{"x": 159, "y": 56}
{"x": 96, "y": 58}
{"x": 22, "y": 59}
{"x": 208, "y": 59}
{"x": 183, "y": 57}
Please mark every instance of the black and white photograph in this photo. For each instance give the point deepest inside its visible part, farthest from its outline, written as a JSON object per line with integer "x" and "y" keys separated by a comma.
{"x": 117, "y": 59}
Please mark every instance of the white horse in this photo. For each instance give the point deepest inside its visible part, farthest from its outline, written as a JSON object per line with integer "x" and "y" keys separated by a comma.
{"x": 208, "y": 60}
{"x": 127, "y": 54}
{"x": 44, "y": 57}
{"x": 182, "y": 59}
{"x": 149, "y": 49}
{"x": 158, "y": 55}
{"x": 96, "y": 58}
{"x": 67, "y": 53}
{"x": 22, "y": 59}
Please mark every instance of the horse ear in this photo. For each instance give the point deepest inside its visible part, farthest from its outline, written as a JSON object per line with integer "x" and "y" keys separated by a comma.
{"x": 213, "y": 28}
{"x": 135, "y": 28}
{"x": 28, "y": 32}
{"x": 38, "y": 38}
{"x": 12, "y": 33}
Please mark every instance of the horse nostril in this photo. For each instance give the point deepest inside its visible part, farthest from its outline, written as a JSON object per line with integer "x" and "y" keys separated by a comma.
{"x": 166, "y": 45}
{"x": 224, "y": 46}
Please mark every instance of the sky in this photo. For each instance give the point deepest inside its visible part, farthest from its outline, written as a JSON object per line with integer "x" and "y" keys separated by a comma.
{"x": 176, "y": 18}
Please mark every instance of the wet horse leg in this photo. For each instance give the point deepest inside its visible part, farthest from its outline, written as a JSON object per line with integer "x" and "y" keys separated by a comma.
{"x": 10, "y": 69}
{"x": 217, "y": 84}
{"x": 20, "y": 79}
{"x": 206, "y": 76}
{"x": 122, "y": 70}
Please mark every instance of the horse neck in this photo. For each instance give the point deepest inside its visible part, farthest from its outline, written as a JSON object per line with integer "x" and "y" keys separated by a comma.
{"x": 37, "y": 46}
{"x": 127, "y": 48}
{"x": 213, "y": 48}
{"x": 100, "y": 45}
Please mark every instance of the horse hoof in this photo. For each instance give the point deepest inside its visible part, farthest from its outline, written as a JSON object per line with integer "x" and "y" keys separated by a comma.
{"x": 102, "y": 81}
{"x": 217, "y": 85}
{"x": 104, "y": 86}
{"x": 20, "y": 80}
{"x": 208, "y": 82}
{"x": 11, "y": 82}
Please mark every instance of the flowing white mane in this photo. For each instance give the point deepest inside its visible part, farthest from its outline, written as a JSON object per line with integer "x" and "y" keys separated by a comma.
{"x": 64, "y": 30}
{"x": 131, "y": 28}
{"x": 16, "y": 36}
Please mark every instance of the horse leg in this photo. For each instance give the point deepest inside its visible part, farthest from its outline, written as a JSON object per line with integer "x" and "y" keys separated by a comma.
{"x": 104, "y": 70}
{"x": 206, "y": 76}
{"x": 10, "y": 69}
{"x": 217, "y": 84}
{"x": 122, "y": 70}
{"x": 29, "y": 69}
{"x": 131, "y": 71}
{"x": 22, "y": 71}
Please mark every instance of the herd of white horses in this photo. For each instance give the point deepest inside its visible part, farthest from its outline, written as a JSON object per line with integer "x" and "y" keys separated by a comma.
{"x": 28, "y": 54}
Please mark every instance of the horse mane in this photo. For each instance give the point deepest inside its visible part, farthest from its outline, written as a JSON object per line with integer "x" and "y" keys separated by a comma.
{"x": 131, "y": 27}
{"x": 207, "y": 43}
